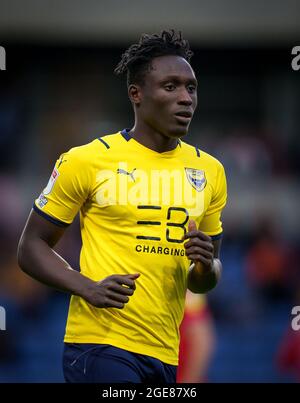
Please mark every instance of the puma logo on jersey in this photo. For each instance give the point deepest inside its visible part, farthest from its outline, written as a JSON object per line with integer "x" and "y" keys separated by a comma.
{"x": 123, "y": 171}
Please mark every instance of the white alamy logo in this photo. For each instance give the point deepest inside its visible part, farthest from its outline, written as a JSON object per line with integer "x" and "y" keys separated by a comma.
{"x": 296, "y": 60}
{"x": 2, "y": 318}
{"x": 133, "y": 186}
{"x": 296, "y": 320}
{"x": 2, "y": 58}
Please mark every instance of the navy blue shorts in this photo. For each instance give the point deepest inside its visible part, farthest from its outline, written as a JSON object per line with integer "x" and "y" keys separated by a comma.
{"x": 103, "y": 363}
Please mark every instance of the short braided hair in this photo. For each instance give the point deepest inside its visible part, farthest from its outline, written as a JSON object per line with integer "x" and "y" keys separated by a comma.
{"x": 136, "y": 61}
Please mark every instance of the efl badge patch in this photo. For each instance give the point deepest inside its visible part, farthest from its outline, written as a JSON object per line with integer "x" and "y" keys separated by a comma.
{"x": 51, "y": 182}
{"x": 196, "y": 177}
{"x": 42, "y": 201}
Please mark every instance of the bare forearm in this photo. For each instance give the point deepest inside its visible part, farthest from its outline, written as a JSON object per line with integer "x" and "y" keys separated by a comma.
{"x": 37, "y": 258}
{"x": 202, "y": 279}
{"x": 40, "y": 261}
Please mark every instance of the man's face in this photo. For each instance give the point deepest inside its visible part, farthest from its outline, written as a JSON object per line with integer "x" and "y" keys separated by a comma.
{"x": 169, "y": 96}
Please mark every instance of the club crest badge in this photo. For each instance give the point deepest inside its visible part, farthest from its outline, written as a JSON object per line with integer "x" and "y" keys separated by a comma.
{"x": 196, "y": 178}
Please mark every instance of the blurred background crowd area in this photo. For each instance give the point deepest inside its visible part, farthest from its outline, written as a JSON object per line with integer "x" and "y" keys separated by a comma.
{"x": 59, "y": 91}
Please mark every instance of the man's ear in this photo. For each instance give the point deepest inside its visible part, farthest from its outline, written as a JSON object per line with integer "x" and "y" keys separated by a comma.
{"x": 134, "y": 93}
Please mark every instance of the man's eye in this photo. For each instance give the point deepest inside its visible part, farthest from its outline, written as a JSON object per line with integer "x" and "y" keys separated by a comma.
{"x": 169, "y": 87}
{"x": 191, "y": 88}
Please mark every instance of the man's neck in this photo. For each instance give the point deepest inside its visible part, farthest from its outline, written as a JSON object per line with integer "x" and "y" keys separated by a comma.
{"x": 152, "y": 139}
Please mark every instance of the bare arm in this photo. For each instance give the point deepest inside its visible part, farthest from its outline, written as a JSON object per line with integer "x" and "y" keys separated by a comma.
{"x": 37, "y": 258}
{"x": 206, "y": 268}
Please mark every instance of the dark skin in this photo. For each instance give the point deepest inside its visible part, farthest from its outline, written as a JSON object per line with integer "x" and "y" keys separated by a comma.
{"x": 206, "y": 268}
{"x": 170, "y": 88}
{"x": 37, "y": 258}
{"x": 164, "y": 105}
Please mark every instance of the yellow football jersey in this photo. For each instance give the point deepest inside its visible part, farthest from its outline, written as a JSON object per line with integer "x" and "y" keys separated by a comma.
{"x": 134, "y": 205}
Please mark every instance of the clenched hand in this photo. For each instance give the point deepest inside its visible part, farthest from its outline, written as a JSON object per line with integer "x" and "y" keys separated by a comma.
{"x": 112, "y": 292}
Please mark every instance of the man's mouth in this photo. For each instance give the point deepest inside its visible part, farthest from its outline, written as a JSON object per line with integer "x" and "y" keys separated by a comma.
{"x": 186, "y": 114}
{"x": 183, "y": 116}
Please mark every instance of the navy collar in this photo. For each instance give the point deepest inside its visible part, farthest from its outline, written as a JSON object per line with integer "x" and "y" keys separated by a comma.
{"x": 127, "y": 136}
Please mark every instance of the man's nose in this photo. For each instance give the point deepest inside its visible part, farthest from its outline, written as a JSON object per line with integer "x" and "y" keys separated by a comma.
{"x": 185, "y": 98}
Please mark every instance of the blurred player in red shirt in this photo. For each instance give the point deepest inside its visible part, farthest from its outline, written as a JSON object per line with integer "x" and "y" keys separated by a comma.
{"x": 197, "y": 340}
